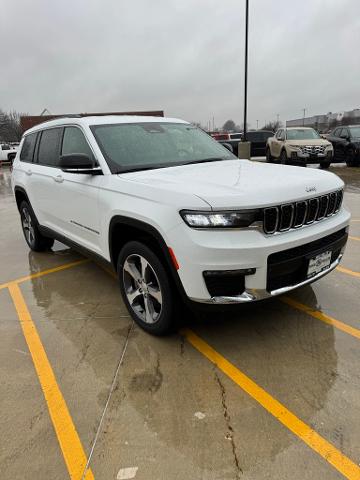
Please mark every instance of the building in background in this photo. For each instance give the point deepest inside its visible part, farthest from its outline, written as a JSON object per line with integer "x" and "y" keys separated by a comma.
{"x": 322, "y": 123}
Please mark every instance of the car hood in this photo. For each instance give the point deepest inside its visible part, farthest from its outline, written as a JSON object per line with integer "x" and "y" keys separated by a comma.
{"x": 239, "y": 183}
{"x": 314, "y": 141}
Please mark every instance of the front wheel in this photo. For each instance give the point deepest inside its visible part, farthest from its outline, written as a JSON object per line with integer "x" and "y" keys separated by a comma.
{"x": 145, "y": 288}
{"x": 351, "y": 159}
{"x": 33, "y": 237}
{"x": 269, "y": 157}
{"x": 325, "y": 165}
{"x": 284, "y": 158}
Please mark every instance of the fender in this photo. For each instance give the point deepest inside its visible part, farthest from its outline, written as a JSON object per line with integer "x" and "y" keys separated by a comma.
{"x": 154, "y": 233}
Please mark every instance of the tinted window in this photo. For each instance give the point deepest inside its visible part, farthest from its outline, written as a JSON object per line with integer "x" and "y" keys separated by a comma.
{"x": 259, "y": 136}
{"x": 49, "y": 147}
{"x": 74, "y": 141}
{"x": 27, "y": 151}
{"x": 5, "y": 147}
{"x": 336, "y": 132}
{"x": 344, "y": 133}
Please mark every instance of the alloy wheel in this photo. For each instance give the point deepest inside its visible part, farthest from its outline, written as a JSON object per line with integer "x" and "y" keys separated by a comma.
{"x": 142, "y": 288}
{"x": 28, "y": 226}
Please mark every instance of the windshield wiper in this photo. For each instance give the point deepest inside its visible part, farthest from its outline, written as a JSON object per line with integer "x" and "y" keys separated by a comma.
{"x": 204, "y": 160}
{"x": 136, "y": 169}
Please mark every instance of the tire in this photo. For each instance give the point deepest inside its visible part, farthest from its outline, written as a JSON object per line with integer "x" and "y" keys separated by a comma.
{"x": 351, "y": 159}
{"x": 325, "y": 165}
{"x": 140, "y": 272}
{"x": 284, "y": 158}
{"x": 269, "y": 157}
{"x": 36, "y": 241}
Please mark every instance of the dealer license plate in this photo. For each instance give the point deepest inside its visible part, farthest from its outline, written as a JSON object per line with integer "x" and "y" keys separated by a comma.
{"x": 319, "y": 263}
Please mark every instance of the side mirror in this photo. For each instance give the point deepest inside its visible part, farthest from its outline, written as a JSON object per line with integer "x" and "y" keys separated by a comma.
{"x": 78, "y": 163}
{"x": 228, "y": 146}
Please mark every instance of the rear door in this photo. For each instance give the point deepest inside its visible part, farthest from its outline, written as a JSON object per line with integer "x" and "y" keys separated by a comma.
{"x": 343, "y": 143}
{"x": 43, "y": 173}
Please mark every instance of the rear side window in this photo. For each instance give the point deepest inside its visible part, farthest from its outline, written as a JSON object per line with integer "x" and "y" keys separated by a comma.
{"x": 74, "y": 141}
{"x": 27, "y": 151}
{"x": 48, "y": 153}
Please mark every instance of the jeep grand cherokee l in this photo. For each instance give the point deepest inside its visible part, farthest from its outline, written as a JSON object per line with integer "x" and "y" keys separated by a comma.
{"x": 175, "y": 213}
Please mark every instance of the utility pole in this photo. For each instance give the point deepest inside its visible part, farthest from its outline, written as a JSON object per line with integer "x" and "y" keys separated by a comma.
{"x": 257, "y": 124}
{"x": 246, "y": 66}
{"x": 304, "y": 110}
{"x": 277, "y": 118}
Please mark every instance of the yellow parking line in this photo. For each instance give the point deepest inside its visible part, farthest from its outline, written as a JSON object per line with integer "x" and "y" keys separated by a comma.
{"x": 348, "y": 272}
{"x": 315, "y": 441}
{"x": 67, "y": 435}
{"x": 322, "y": 316}
{"x": 354, "y": 238}
{"x": 45, "y": 272}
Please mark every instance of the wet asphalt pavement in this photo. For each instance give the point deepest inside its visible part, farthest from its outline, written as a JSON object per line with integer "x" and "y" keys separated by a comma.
{"x": 167, "y": 412}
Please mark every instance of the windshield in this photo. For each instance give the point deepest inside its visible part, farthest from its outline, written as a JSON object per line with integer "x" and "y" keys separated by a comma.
{"x": 302, "y": 134}
{"x": 139, "y": 146}
{"x": 355, "y": 132}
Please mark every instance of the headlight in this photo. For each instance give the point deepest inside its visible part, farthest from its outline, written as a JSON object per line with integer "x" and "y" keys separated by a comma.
{"x": 329, "y": 146}
{"x": 229, "y": 219}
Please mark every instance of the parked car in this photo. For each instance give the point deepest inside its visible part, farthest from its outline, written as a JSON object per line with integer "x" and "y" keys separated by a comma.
{"x": 346, "y": 143}
{"x": 7, "y": 152}
{"x": 229, "y": 140}
{"x": 299, "y": 146}
{"x": 175, "y": 213}
{"x": 257, "y": 138}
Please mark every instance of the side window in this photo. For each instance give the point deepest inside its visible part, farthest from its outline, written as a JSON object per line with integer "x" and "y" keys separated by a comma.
{"x": 74, "y": 141}
{"x": 27, "y": 150}
{"x": 48, "y": 152}
{"x": 344, "y": 133}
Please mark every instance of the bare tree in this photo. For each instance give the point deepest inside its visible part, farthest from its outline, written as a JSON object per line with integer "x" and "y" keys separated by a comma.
{"x": 10, "y": 129}
{"x": 229, "y": 126}
{"x": 273, "y": 126}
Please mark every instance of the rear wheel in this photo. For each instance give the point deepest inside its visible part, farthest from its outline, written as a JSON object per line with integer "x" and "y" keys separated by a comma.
{"x": 146, "y": 289}
{"x": 33, "y": 237}
{"x": 325, "y": 165}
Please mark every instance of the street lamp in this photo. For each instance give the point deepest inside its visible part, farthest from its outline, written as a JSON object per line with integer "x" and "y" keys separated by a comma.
{"x": 246, "y": 66}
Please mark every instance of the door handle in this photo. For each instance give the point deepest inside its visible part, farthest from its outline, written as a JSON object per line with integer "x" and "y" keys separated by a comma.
{"x": 29, "y": 172}
{"x": 59, "y": 178}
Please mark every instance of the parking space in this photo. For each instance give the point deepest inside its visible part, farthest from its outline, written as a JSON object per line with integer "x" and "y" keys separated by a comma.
{"x": 269, "y": 392}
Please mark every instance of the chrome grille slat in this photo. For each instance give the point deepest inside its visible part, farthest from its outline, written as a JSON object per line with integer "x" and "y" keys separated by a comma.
{"x": 282, "y": 218}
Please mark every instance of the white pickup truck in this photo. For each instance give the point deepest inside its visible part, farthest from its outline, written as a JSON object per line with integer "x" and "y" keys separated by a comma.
{"x": 7, "y": 152}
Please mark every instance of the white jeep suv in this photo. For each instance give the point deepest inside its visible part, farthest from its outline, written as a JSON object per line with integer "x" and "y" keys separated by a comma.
{"x": 175, "y": 213}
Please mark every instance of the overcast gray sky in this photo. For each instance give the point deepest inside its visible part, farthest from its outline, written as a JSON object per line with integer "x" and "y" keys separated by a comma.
{"x": 183, "y": 56}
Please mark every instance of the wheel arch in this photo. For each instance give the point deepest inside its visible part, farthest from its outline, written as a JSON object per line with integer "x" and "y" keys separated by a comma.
{"x": 123, "y": 229}
{"x": 20, "y": 196}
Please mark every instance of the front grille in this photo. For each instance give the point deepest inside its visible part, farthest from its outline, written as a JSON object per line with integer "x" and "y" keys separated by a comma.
{"x": 313, "y": 149}
{"x": 289, "y": 267}
{"x": 282, "y": 218}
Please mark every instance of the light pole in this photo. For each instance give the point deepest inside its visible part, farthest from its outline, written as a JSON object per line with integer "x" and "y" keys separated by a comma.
{"x": 246, "y": 66}
{"x": 304, "y": 110}
{"x": 257, "y": 124}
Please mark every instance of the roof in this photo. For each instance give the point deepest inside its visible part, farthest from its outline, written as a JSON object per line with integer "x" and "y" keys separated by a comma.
{"x": 29, "y": 121}
{"x": 102, "y": 120}
{"x": 299, "y": 127}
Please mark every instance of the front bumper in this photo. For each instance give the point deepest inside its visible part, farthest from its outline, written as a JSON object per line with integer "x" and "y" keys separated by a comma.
{"x": 311, "y": 158}
{"x": 245, "y": 250}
